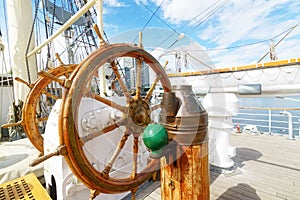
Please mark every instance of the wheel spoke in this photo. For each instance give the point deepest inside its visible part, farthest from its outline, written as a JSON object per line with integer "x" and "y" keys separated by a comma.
{"x": 120, "y": 146}
{"x": 150, "y": 91}
{"x": 106, "y": 101}
{"x": 48, "y": 94}
{"x": 106, "y": 129}
{"x": 155, "y": 107}
{"x": 37, "y": 120}
{"x": 133, "y": 193}
{"x": 138, "y": 78}
{"x": 135, "y": 156}
{"x": 121, "y": 82}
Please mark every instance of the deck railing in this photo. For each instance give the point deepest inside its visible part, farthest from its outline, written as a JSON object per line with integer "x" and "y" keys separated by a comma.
{"x": 284, "y": 121}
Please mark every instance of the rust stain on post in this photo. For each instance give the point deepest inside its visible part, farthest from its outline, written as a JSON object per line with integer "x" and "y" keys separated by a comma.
{"x": 188, "y": 176}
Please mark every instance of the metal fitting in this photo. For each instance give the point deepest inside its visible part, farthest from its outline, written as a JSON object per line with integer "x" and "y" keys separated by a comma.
{"x": 183, "y": 116}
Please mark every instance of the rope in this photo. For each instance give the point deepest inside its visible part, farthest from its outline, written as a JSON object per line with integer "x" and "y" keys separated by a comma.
{"x": 30, "y": 37}
{"x": 7, "y": 36}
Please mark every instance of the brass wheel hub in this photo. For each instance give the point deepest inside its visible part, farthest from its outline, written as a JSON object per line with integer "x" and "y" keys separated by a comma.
{"x": 139, "y": 114}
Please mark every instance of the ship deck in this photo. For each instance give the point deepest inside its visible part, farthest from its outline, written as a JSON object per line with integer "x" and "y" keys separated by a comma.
{"x": 267, "y": 168}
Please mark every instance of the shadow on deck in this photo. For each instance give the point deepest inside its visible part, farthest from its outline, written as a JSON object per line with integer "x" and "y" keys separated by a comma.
{"x": 266, "y": 168}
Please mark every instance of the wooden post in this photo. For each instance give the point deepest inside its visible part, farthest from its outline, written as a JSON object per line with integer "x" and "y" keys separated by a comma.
{"x": 184, "y": 168}
{"x": 188, "y": 176}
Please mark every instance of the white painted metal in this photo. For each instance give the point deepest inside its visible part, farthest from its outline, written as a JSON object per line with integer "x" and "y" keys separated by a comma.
{"x": 99, "y": 9}
{"x": 220, "y": 108}
{"x": 280, "y": 81}
{"x": 270, "y": 121}
{"x": 290, "y": 116}
{"x": 92, "y": 116}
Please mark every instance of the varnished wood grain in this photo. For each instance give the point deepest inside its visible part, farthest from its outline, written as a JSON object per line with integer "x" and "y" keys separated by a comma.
{"x": 188, "y": 176}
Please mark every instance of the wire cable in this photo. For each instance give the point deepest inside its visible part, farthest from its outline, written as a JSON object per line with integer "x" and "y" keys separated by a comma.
{"x": 288, "y": 32}
{"x": 163, "y": 21}
{"x": 209, "y": 14}
{"x": 153, "y": 14}
{"x": 195, "y": 17}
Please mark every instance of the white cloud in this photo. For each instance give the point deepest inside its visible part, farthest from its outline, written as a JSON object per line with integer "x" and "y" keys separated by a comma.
{"x": 114, "y": 3}
{"x": 238, "y": 22}
{"x": 144, "y": 2}
{"x": 242, "y": 19}
{"x": 177, "y": 11}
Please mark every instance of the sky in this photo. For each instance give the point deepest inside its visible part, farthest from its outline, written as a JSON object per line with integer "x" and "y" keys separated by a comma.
{"x": 232, "y": 32}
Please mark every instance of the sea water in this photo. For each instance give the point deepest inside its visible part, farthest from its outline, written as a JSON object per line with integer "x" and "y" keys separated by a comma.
{"x": 258, "y": 114}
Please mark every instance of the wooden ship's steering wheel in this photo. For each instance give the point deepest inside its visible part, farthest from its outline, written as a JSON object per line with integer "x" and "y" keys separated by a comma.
{"x": 29, "y": 112}
{"x": 31, "y": 107}
{"x": 135, "y": 116}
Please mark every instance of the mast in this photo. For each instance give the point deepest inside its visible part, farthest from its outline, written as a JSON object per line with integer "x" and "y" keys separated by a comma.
{"x": 99, "y": 9}
{"x": 19, "y": 29}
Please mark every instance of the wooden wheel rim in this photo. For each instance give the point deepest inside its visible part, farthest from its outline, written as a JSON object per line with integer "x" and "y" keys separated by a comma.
{"x": 31, "y": 102}
{"x": 69, "y": 137}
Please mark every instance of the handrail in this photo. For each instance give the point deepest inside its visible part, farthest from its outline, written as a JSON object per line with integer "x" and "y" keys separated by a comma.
{"x": 267, "y": 122}
{"x": 264, "y": 108}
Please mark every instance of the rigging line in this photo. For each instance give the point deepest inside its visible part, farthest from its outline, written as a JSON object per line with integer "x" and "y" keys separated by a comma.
{"x": 159, "y": 18}
{"x": 153, "y": 13}
{"x": 208, "y": 66}
{"x": 11, "y": 94}
{"x": 164, "y": 40}
{"x": 37, "y": 34}
{"x": 190, "y": 21}
{"x": 52, "y": 25}
{"x": 289, "y": 31}
{"x": 74, "y": 9}
{"x": 46, "y": 30}
{"x": 202, "y": 20}
{"x": 243, "y": 45}
{"x": 104, "y": 33}
{"x": 209, "y": 14}
{"x": 30, "y": 37}
{"x": 157, "y": 8}
{"x": 4, "y": 68}
{"x": 7, "y": 37}
{"x": 237, "y": 46}
{"x": 87, "y": 29}
{"x": 90, "y": 21}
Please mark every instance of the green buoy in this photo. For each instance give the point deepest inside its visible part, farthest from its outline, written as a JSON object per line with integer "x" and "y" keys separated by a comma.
{"x": 155, "y": 138}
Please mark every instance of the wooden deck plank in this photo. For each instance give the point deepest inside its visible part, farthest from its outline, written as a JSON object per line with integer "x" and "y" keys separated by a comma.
{"x": 268, "y": 168}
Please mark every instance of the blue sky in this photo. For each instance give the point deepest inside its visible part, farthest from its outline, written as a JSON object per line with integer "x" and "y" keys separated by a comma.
{"x": 218, "y": 26}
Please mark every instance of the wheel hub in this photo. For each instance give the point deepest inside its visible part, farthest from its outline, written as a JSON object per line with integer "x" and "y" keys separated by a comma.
{"x": 139, "y": 114}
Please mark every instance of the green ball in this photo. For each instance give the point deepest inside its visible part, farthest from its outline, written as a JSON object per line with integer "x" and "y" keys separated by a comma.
{"x": 155, "y": 137}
